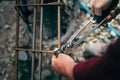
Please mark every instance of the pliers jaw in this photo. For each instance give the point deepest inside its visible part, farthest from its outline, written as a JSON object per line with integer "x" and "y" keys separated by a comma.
{"x": 57, "y": 52}
{"x": 64, "y": 49}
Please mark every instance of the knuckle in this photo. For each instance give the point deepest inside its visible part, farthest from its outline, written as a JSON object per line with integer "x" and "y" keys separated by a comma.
{"x": 97, "y": 6}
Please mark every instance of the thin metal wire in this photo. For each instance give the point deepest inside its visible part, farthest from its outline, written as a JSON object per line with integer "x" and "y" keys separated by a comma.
{"x": 41, "y": 35}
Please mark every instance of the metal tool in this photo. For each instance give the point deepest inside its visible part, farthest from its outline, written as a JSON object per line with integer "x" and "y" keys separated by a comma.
{"x": 71, "y": 43}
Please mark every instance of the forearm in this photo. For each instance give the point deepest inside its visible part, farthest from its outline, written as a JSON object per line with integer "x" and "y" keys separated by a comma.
{"x": 113, "y": 50}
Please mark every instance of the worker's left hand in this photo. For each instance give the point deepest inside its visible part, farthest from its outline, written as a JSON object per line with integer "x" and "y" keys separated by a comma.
{"x": 102, "y": 8}
{"x": 100, "y": 5}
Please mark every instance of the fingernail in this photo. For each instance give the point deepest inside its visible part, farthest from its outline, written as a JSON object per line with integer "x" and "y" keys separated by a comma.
{"x": 93, "y": 21}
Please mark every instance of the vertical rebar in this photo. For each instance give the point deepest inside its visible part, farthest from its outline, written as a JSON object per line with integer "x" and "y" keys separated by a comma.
{"x": 33, "y": 41}
{"x": 17, "y": 41}
{"x": 41, "y": 35}
{"x": 59, "y": 29}
{"x": 59, "y": 32}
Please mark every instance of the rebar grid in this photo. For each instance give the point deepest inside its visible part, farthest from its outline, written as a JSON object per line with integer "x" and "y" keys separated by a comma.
{"x": 33, "y": 48}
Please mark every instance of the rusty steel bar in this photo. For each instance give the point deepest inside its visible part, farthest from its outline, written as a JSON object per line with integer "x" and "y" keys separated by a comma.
{"x": 59, "y": 29}
{"x": 41, "y": 36}
{"x": 33, "y": 41}
{"x": 32, "y": 50}
{"x": 59, "y": 32}
{"x": 35, "y": 51}
{"x": 46, "y": 22}
{"x": 46, "y": 4}
{"x": 17, "y": 41}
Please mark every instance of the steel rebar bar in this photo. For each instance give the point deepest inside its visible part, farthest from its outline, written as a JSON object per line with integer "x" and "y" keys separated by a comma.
{"x": 46, "y": 4}
{"x": 33, "y": 41}
{"x": 59, "y": 33}
{"x": 33, "y": 50}
{"x": 41, "y": 36}
{"x": 17, "y": 42}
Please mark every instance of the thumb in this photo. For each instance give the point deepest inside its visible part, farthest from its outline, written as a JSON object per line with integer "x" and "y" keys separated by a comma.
{"x": 97, "y": 10}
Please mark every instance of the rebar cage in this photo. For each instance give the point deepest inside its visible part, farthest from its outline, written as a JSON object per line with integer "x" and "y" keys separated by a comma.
{"x": 35, "y": 29}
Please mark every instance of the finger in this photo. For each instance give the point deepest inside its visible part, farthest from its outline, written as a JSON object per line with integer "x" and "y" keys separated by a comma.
{"x": 93, "y": 9}
{"x": 113, "y": 13}
{"x": 53, "y": 63}
{"x": 54, "y": 57}
{"x": 98, "y": 11}
{"x": 111, "y": 16}
{"x": 97, "y": 7}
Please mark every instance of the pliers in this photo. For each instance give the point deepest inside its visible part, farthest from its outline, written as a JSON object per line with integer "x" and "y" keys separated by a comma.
{"x": 71, "y": 43}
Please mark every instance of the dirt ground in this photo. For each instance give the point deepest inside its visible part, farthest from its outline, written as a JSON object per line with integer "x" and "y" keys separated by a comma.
{"x": 7, "y": 40}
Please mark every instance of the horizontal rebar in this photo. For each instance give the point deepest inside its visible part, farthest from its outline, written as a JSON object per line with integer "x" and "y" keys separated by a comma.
{"x": 33, "y": 50}
{"x": 38, "y": 51}
{"x": 45, "y": 4}
{"x": 17, "y": 41}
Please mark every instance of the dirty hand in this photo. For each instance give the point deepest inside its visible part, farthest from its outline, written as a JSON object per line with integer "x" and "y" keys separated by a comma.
{"x": 106, "y": 6}
{"x": 63, "y": 64}
{"x": 99, "y": 6}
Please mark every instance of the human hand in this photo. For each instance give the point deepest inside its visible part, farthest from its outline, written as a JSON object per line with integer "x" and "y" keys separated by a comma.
{"x": 102, "y": 8}
{"x": 63, "y": 64}
{"x": 99, "y": 6}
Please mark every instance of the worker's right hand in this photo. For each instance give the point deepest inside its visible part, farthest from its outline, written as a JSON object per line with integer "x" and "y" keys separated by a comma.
{"x": 63, "y": 64}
